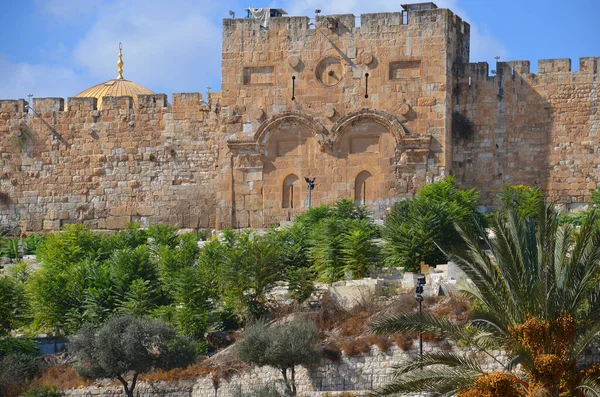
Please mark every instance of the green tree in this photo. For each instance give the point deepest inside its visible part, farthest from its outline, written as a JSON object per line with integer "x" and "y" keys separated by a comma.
{"x": 19, "y": 363}
{"x": 525, "y": 201}
{"x": 419, "y": 229}
{"x": 535, "y": 295}
{"x": 359, "y": 252}
{"x": 281, "y": 346}
{"x": 13, "y": 304}
{"x": 128, "y": 346}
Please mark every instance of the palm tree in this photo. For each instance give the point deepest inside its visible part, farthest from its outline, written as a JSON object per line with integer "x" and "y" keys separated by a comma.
{"x": 535, "y": 295}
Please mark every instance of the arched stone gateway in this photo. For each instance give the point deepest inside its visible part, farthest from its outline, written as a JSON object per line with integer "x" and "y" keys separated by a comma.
{"x": 367, "y": 156}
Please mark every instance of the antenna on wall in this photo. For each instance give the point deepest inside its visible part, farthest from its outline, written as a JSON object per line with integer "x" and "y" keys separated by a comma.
{"x": 497, "y": 57}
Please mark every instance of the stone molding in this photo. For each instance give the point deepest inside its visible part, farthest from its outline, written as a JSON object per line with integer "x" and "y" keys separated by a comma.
{"x": 291, "y": 117}
{"x": 384, "y": 119}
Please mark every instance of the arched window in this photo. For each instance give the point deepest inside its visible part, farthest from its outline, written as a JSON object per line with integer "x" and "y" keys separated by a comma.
{"x": 363, "y": 187}
{"x": 291, "y": 192}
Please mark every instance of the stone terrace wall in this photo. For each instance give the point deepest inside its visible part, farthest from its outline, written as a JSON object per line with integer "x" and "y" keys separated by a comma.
{"x": 522, "y": 128}
{"x": 105, "y": 168}
{"x": 358, "y": 374}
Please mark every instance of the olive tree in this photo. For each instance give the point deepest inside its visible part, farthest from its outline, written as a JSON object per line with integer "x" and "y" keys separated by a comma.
{"x": 129, "y": 345}
{"x": 281, "y": 346}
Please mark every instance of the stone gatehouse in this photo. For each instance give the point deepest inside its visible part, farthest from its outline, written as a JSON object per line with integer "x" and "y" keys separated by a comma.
{"x": 372, "y": 107}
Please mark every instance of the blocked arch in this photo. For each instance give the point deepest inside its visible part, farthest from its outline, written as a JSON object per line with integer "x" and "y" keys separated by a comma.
{"x": 384, "y": 119}
{"x": 364, "y": 189}
{"x": 290, "y": 197}
{"x": 265, "y": 129}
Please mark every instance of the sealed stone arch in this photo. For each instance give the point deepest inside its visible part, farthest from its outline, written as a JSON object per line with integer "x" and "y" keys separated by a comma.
{"x": 291, "y": 192}
{"x": 267, "y": 128}
{"x": 384, "y": 119}
{"x": 363, "y": 188}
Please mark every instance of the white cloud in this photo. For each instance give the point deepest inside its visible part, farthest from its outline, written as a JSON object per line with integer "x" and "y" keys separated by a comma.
{"x": 175, "y": 45}
{"x": 168, "y": 47}
{"x": 41, "y": 80}
{"x": 68, "y": 10}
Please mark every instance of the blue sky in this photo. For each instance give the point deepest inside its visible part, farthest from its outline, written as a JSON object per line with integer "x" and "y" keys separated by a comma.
{"x": 60, "y": 47}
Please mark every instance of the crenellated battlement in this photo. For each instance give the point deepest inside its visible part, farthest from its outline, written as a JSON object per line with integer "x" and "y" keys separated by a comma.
{"x": 145, "y": 103}
{"x": 336, "y": 97}
{"x": 480, "y": 71}
{"x": 346, "y": 23}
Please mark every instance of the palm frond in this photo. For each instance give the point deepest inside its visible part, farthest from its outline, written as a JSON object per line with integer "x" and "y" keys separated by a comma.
{"x": 441, "y": 379}
{"x": 448, "y": 359}
{"x": 414, "y": 322}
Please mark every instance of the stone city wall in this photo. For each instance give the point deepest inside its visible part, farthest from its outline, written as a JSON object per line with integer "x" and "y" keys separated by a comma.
{"x": 105, "y": 168}
{"x": 361, "y": 108}
{"x": 294, "y": 104}
{"x": 517, "y": 127}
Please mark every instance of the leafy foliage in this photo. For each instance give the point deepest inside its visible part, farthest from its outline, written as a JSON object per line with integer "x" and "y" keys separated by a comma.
{"x": 536, "y": 295}
{"x": 281, "y": 346}
{"x": 418, "y": 230}
{"x": 44, "y": 391}
{"x": 525, "y": 201}
{"x": 19, "y": 363}
{"x": 128, "y": 344}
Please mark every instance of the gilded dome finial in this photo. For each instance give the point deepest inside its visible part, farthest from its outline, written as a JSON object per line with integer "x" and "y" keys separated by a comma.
{"x": 120, "y": 63}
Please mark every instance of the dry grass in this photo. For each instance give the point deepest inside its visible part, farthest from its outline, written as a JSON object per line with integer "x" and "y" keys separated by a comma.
{"x": 454, "y": 308}
{"x": 355, "y": 347}
{"x": 403, "y": 341}
{"x": 382, "y": 342}
{"x": 217, "y": 372}
{"x": 62, "y": 377}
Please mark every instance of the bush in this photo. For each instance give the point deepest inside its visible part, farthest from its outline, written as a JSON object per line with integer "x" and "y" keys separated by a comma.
{"x": 525, "y": 201}
{"x": 282, "y": 346}
{"x": 269, "y": 390}
{"x": 129, "y": 345}
{"x": 44, "y": 391}
{"x": 416, "y": 229}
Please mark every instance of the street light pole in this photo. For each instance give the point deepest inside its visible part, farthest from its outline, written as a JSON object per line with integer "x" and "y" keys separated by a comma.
{"x": 419, "y": 298}
{"x": 311, "y": 185}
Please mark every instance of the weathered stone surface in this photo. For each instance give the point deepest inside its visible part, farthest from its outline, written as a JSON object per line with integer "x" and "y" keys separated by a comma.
{"x": 239, "y": 158}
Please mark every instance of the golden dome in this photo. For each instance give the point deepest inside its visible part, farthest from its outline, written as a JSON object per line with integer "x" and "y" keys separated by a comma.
{"x": 116, "y": 87}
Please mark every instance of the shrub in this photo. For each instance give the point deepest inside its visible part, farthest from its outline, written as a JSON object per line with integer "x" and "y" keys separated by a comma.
{"x": 416, "y": 229}
{"x": 269, "y": 390}
{"x": 44, "y": 391}
{"x": 403, "y": 341}
{"x": 127, "y": 344}
{"x": 525, "y": 201}
{"x": 282, "y": 346}
{"x": 356, "y": 347}
{"x": 62, "y": 377}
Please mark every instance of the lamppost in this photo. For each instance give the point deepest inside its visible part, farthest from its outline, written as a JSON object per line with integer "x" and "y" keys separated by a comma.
{"x": 419, "y": 298}
{"x": 311, "y": 185}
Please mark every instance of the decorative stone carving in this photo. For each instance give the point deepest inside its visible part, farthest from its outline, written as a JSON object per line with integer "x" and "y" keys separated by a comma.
{"x": 330, "y": 71}
{"x": 329, "y": 112}
{"x": 257, "y": 114}
{"x": 294, "y": 61}
{"x": 248, "y": 161}
{"x": 404, "y": 109}
{"x": 325, "y": 143}
{"x": 367, "y": 58}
